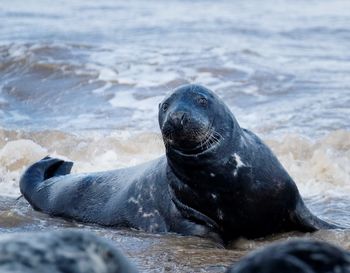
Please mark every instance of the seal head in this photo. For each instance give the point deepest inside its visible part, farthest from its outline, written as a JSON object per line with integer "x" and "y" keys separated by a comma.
{"x": 190, "y": 118}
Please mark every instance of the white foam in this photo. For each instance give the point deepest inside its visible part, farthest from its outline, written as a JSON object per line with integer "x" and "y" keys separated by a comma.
{"x": 103, "y": 88}
{"x": 15, "y": 156}
{"x": 318, "y": 167}
{"x": 17, "y": 51}
{"x": 108, "y": 74}
{"x": 143, "y": 76}
{"x": 126, "y": 99}
{"x": 251, "y": 90}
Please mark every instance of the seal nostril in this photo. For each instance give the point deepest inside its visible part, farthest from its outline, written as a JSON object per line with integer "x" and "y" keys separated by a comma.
{"x": 179, "y": 118}
{"x": 183, "y": 119}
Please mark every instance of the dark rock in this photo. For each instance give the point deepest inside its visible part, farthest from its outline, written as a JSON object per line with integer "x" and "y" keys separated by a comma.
{"x": 69, "y": 251}
{"x": 297, "y": 256}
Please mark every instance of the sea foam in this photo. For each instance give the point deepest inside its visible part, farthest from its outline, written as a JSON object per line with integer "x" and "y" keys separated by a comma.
{"x": 318, "y": 167}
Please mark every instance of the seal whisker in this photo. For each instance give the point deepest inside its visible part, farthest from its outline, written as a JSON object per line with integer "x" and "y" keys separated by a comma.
{"x": 200, "y": 138}
{"x": 215, "y": 138}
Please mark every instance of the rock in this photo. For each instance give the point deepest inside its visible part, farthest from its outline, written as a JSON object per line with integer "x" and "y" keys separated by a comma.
{"x": 297, "y": 256}
{"x": 69, "y": 251}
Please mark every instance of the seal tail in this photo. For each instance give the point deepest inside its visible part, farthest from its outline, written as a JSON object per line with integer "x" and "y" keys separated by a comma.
{"x": 306, "y": 221}
{"x": 40, "y": 171}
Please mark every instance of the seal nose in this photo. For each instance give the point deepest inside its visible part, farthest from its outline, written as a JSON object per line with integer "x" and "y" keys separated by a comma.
{"x": 179, "y": 118}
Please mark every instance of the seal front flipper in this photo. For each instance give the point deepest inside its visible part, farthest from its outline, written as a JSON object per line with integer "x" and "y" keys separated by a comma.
{"x": 306, "y": 221}
{"x": 195, "y": 215}
{"x": 40, "y": 171}
{"x": 196, "y": 223}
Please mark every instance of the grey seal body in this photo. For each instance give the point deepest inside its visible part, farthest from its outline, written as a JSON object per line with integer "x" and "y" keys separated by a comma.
{"x": 216, "y": 180}
{"x": 137, "y": 197}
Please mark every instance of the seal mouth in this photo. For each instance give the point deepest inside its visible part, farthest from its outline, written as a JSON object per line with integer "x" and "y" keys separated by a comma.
{"x": 210, "y": 140}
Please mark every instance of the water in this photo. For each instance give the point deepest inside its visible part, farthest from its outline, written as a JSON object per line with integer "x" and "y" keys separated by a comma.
{"x": 83, "y": 79}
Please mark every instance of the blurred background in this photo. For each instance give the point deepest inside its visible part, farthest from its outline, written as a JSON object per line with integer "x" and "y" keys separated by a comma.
{"x": 282, "y": 66}
{"x": 82, "y": 80}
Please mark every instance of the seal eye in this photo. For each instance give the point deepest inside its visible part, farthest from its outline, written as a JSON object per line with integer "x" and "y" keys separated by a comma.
{"x": 202, "y": 101}
{"x": 165, "y": 106}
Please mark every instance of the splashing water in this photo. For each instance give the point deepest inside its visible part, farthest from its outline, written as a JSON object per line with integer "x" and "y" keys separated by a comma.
{"x": 82, "y": 80}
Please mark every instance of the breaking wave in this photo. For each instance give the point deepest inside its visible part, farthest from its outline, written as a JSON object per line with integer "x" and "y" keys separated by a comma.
{"x": 318, "y": 167}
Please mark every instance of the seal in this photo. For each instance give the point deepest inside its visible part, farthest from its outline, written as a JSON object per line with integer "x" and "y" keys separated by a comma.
{"x": 296, "y": 256}
{"x": 216, "y": 180}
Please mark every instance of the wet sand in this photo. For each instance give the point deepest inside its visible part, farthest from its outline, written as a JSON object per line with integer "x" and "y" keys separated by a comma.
{"x": 156, "y": 252}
